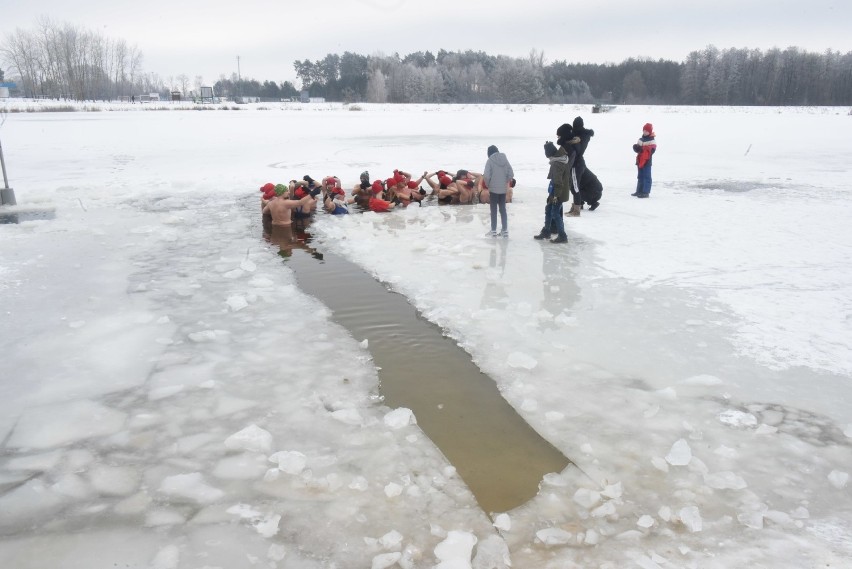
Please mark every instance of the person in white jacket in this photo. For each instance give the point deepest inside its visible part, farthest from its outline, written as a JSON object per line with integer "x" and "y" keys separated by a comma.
{"x": 497, "y": 175}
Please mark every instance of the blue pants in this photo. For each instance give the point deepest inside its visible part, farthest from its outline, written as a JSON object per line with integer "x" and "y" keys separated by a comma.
{"x": 643, "y": 184}
{"x": 498, "y": 201}
{"x": 553, "y": 221}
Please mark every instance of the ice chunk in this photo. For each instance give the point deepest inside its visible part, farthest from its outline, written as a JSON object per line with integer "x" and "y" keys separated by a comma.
{"x": 385, "y": 560}
{"x": 765, "y": 429}
{"x": 724, "y": 481}
{"x": 838, "y": 479}
{"x": 660, "y": 463}
{"x": 554, "y": 479}
{"x": 726, "y": 452}
{"x": 252, "y": 438}
{"x": 290, "y": 461}
{"x": 529, "y": 405}
{"x": 592, "y": 537}
{"x": 645, "y": 521}
{"x": 800, "y": 513}
{"x": 680, "y": 453}
{"x": 191, "y": 487}
{"x": 668, "y": 393}
{"x": 736, "y": 418}
{"x": 62, "y": 424}
{"x": 167, "y": 558}
{"x": 236, "y": 302}
{"x": 276, "y": 552}
{"x": 391, "y": 540}
{"x": 455, "y": 551}
{"x": 244, "y": 511}
{"x": 553, "y": 536}
{"x": 701, "y": 380}
{"x": 606, "y": 509}
{"x": 72, "y": 486}
{"x": 503, "y": 522}
{"x": 399, "y": 418}
{"x": 392, "y": 489}
{"x": 751, "y": 519}
{"x": 246, "y": 466}
{"x": 587, "y": 498}
{"x": 365, "y": 343}
{"x": 348, "y": 416}
{"x": 613, "y": 490}
{"x": 554, "y": 416}
{"x": 690, "y": 516}
{"x": 163, "y": 517}
{"x": 520, "y": 360}
{"x": 268, "y": 526}
{"x": 114, "y": 480}
{"x": 492, "y": 553}
{"x": 665, "y": 513}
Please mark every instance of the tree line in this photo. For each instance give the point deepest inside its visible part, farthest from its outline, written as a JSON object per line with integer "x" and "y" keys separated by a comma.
{"x": 708, "y": 77}
{"x": 65, "y": 61}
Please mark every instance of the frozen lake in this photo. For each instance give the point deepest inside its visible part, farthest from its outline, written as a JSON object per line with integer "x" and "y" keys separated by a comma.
{"x": 172, "y": 397}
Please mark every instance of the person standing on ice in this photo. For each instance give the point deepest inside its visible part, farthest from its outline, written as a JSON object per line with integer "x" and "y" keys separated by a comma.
{"x": 497, "y": 175}
{"x": 559, "y": 190}
{"x": 644, "y": 148}
{"x": 580, "y": 141}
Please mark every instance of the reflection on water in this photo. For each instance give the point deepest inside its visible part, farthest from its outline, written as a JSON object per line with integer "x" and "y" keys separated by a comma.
{"x": 500, "y": 457}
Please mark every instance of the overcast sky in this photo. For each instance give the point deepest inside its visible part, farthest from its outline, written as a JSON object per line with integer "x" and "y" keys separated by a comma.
{"x": 205, "y": 38}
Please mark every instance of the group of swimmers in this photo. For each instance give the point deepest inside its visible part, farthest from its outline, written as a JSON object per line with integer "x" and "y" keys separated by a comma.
{"x": 299, "y": 199}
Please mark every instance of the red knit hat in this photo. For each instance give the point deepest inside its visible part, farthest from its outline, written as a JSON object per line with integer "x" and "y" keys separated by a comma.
{"x": 412, "y": 184}
{"x": 377, "y": 187}
{"x": 301, "y": 192}
{"x": 648, "y": 127}
{"x": 391, "y": 182}
{"x": 445, "y": 180}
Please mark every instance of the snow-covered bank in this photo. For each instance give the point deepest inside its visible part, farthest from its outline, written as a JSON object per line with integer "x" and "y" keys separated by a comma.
{"x": 690, "y": 352}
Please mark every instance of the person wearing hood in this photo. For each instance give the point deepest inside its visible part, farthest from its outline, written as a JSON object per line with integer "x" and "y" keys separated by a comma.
{"x": 580, "y": 141}
{"x": 497, "y": 176}
{"x": 559, "y": 190}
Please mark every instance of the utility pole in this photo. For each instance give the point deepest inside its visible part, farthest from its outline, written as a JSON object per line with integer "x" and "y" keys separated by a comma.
{"x": 7, "y": 194}
{"x": 239, "y": 77}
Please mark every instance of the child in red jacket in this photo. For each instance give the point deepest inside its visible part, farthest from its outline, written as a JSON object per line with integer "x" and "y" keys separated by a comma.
{"x": 644, "y": 148}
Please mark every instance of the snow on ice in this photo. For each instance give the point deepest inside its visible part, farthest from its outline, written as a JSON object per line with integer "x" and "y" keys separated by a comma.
{"x": 172, "y": 397}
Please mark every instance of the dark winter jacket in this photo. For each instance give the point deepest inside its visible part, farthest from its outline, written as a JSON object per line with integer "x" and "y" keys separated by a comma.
{"x": 561, "y": 164}
{"x": 591, "y": 188}
{"x": 645, "y": 148}
{"x": 581, "y": 139}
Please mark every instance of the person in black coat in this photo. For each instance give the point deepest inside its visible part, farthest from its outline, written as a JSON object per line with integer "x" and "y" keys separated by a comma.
{"x": 581, "y": 139}
{"x": 591, "y": 190}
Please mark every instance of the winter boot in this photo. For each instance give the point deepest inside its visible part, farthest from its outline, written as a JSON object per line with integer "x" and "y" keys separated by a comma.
{"x": 543, "y": 234}
{"x": 593, "y": 206}
{"x": 560, "y": 239}
{"x": 574, "y": 211}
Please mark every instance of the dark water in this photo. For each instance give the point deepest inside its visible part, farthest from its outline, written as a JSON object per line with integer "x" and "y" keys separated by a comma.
{"x": 498, "y": 455}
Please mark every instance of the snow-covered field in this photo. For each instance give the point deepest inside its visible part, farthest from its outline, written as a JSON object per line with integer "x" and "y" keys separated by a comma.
{"x": 691, "y": 353}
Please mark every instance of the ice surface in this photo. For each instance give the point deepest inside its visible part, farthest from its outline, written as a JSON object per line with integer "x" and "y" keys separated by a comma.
{"x": 702, "y": 314}
{"x": 456, "y": 550}
{"x": 64, "y": 424}
{"x": 680, "y": 453}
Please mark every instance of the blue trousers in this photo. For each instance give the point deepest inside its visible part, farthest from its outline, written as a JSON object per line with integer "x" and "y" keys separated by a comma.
{"x": 553, "y": 222}
{"x": 643, "y": 184}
